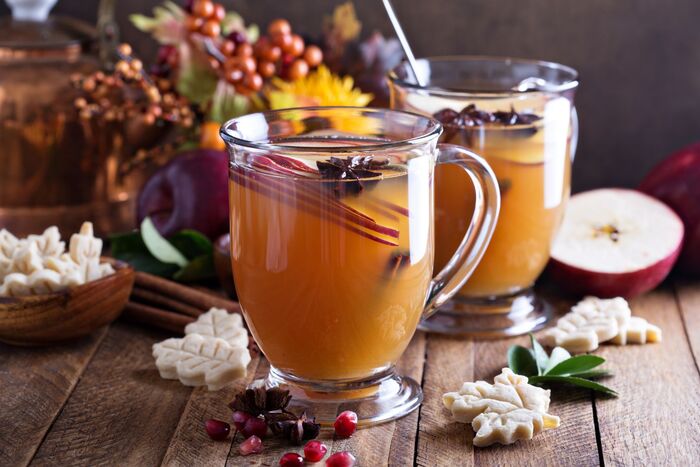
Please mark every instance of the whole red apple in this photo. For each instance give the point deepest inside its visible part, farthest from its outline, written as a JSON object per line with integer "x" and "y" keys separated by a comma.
{"x": 189, "y": 192}
{"x": 676, "y": 182}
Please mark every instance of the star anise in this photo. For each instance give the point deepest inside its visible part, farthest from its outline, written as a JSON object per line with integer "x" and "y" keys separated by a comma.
{"x": 260, "y": 401}
{"x": 296, "y": 429}
{"x": 351, "y": 168}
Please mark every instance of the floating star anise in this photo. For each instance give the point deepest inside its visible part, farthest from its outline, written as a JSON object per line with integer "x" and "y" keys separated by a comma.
{"x": 353, "y": 169}
{"x": 260, "y": 401}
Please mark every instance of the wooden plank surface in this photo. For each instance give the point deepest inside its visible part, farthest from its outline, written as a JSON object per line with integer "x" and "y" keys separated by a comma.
{"x": 121, "y": 412}
{"x": 100, "y": 401}
{"x": 688, "y": 298}
{"x": 655, "y": 419}
{"x": 37, "y": 382}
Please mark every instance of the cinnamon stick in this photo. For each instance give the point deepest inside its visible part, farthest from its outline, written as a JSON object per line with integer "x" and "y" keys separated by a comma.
{"x": 195, "y": 298}
{"x": 167, "y": 320}
{"x": 155, "y": 298}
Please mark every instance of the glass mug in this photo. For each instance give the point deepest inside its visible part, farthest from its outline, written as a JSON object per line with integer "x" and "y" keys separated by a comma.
{"x": 519, "y": 116}
{"x": 332, "y": 248}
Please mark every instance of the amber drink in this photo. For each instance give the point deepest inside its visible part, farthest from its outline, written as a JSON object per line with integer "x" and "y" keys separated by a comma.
{"x": 519, "y": 116}
{"x": 332, "y": 246}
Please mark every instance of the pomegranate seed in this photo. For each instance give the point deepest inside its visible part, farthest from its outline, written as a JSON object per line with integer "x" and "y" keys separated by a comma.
{"x": 254, "y": 426}
{"x": 346, "y": 424}
{"x": 341, "y": 459}
{"x": 252, "y": 445}
{"x": 314, "y": 451}
{"x": 216, "y": 429}
{"x": 292, "y": 459}
{"x": 239, "y": 418}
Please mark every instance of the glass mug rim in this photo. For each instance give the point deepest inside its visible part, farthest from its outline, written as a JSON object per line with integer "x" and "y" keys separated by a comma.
{"x": 567, "y": 85}
{"x": 433, "y": 129}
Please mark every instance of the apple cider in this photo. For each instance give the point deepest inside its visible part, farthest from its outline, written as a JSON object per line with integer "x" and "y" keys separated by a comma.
{"x": 332, "y": 259}
{"x": 533, "y": 168}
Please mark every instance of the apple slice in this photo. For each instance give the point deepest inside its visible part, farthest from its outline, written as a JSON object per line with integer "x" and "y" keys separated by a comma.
{"x": 615, "y": 242}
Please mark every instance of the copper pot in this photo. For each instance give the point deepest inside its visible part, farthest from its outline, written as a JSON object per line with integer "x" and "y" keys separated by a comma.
{"x": 54, "y": 168}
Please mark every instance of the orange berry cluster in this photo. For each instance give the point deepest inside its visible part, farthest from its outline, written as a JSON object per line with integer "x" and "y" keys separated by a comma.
{"x": 205, "y": 17}
{"x": 130, "y": 93}
{"x": 279, "y": 53}
{"x": 284, "y": 53}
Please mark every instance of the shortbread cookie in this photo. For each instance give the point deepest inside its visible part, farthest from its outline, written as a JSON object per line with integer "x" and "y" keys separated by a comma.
{"x": 222, "y": 324}
{"x": 504, "y": 412}
{"x": 590, "y": 322}
{"x": 637, "y": 331}
{"x": 197, "y": 360}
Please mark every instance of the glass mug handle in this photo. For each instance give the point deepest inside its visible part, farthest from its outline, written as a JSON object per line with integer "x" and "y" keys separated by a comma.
{"x": 483, "y": 223}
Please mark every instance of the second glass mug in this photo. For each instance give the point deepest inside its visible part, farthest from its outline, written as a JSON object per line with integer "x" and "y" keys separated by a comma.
{"x": 519, "y": 115}
{"x": 332, "y": 248}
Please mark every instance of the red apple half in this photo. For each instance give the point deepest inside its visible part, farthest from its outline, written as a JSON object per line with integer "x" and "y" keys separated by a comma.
{"x": 615, "y": 242}
{"x": 676, "y": 182}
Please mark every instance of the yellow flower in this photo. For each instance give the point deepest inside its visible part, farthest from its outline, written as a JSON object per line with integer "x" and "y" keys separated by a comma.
{"x": 323, "y": 88}
{"x": 318, "y": 88}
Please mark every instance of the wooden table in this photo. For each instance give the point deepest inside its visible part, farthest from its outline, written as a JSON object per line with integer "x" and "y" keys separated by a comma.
{"x": 101, "y": 401}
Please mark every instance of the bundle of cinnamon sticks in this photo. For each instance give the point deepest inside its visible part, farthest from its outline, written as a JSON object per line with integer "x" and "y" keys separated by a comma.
{"x": 169, "y": 305}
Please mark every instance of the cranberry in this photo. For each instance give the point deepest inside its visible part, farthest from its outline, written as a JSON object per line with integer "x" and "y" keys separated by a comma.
{"x": 252, "y": 445}
{"x": 292, "y": 459}
{"x": 239, "y": 418}
{"x": 216, "y": 429}
{"x": 314, "y": 451}
{"x": 346, "y": 424}
{"x": 341, "y": 459}
{"x": 237, "y": 37}
{"x": 254, "y": 426}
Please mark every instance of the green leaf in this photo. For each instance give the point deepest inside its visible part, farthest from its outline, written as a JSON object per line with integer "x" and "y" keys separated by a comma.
{"x": 199, "y": 269}
{"x": 196, "y": 81}
{"x": 540, "y": 355}
{"x": 145, "y": 262}
{"x": 577, "y": 364}
{"x": 557, "y": 356}
{"x": 227, "y": 103}
{"x": 143, "y": 22}
{"x": 593, "y": 374}
{"x": 521, "y": 361}
{"x": 191, "y": 243}
{"x": 129, "y": 242}
{"x": 572, "y": 380}
{"x": 158, "y": 246}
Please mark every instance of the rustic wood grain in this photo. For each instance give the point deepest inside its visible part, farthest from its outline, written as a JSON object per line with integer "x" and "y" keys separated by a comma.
{"x": 655, "y": 419}
{"x": 572, "y": 444}
{"x": 449, "y": 362}
{"x": 37, "y": 382}
{"x": 390, "y": 443}
{"x": 688, "y": 298}
{"x": 190, "y": 444}
{"x": 121, "y": 412}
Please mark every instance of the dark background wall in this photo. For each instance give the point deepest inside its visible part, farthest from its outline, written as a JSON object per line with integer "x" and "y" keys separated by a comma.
{"x": 639, "y": 60}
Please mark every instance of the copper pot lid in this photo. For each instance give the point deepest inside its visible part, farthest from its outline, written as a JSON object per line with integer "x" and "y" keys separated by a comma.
{"x": 37, "y": 35}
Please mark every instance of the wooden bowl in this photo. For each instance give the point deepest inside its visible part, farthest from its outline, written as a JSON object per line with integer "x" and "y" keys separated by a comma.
{"x": 75, "y": 312}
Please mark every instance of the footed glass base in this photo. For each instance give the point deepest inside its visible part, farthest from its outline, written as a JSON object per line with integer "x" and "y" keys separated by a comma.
{"x": 381, "y": 398}
{"x": 490, "y": 318}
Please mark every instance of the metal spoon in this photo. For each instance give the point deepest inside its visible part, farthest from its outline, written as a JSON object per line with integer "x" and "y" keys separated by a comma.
{"x": 404, "y": 42}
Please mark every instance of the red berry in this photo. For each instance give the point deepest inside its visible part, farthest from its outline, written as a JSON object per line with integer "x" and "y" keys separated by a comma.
{"x": 341, "y": 459}
{"x": 346, "y": 424}
{"x": 314, "y": 451}
{"x": 292, "y": 459}
{"x": 239, "y": 418}
{"x": 254, "y": 426}
{"x": 216, "y": 429}
{"x": 252, "y": 445}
